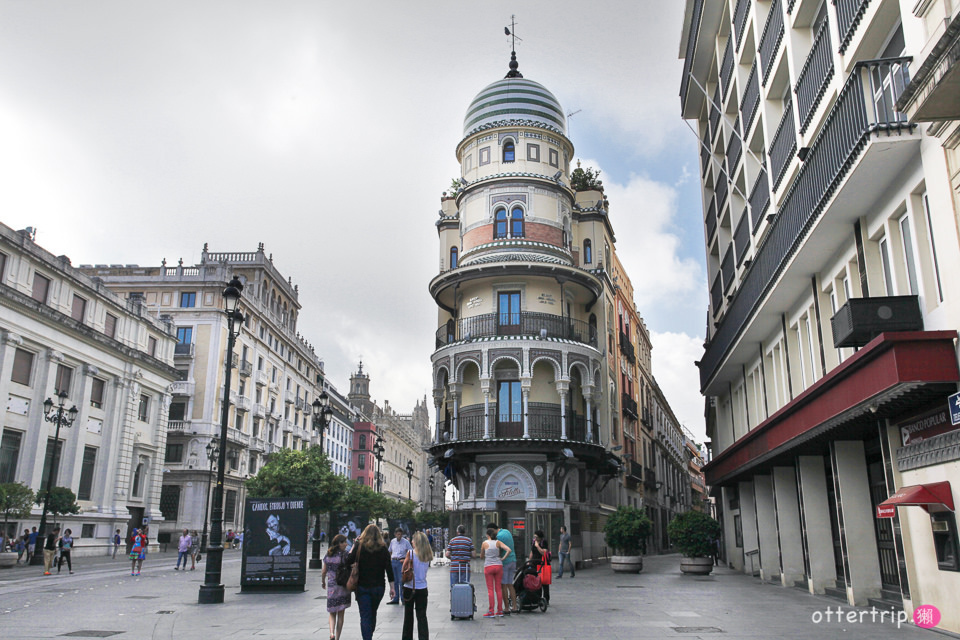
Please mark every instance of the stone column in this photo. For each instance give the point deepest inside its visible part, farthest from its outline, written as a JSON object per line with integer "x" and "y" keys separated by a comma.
{"x": 817, "y": 534}
{"x": 588, "y": 399}
{"x": 767, "y": 528}
{"x": 40, "y": 431}
{"x": 748, "y": 524}
{"x": 8, "y": 350}
{"x": 734, "y": 554}
{"x": 788, "y": 525}
{"x": 438, "y": 403}
{"x": 455, "y": 394}
{"x": 563, "y": 386}
{"x": 525, "y": 385}
{"x": 485, "y": 388}
{"x": 860, "y": 539}
{"x": 74, "y": 447}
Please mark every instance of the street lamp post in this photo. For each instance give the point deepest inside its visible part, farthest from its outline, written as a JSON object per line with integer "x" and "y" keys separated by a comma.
{"x": 378, "y": 450}
{"x": 60, "y": 418}
{"x": 321, "y": 420}
{"x": 431, "y": 482}
{"x": 213, "y": 452}
{"x": 409, "y": 479}
{"x": 211, "y": 591}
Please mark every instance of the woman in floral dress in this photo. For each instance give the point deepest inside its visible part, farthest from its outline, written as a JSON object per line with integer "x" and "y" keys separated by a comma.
{"x": 338, "y": 598}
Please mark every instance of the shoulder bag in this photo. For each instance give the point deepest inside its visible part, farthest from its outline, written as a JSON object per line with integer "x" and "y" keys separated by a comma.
{"x": 406, "y": 573}
{"x": 354, "y": 580}
{"x": 343, "y": 570}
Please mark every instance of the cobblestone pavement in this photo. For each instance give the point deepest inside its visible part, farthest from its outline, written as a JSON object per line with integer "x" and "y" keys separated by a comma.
{"x": 102, "y": 597}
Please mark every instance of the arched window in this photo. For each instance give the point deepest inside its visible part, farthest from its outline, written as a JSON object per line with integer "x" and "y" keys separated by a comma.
{"x": 453, "y": 257}
{"x": 508, "y": 151}
{"x": 500, "y": 224}
{"x": 587, "y": 252}
{"x": 516, "y": 223}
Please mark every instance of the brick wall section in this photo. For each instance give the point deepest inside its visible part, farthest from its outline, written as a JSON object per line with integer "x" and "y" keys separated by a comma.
{"x": 534, "y": 232}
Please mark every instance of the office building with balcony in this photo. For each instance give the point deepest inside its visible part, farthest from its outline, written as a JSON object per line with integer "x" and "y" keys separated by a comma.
{"x": 526, "y": 384}
{"x": 830, "y": 228}
{"x": 276, "y": 376}
{"x": 63, "y": 332}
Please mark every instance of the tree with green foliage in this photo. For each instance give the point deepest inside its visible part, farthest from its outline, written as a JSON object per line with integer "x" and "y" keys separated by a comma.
{"x": 694, "y": 534}
{"x": 62, "y": 502}
{"x": 627, "y": 529}
{"x": 290, "y": 473}
{"x": 16, "y": 499}
{"x": 586, "y": 180}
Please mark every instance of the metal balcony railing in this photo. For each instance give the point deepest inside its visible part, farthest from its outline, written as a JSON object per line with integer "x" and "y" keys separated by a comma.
{"x": 726, "y": 268}
{"x": 543, "y": 419}
{"x": 246, "y": 368}
{"x": 716, "y": 293}
{"x": 740, "y": 14}
{"x": 635, "y": 470}
{"x": 751, "y": 100}
{"x": 856, "y": 115}
{"x": 705, "y": 150}
{"x": 770, "y": 39}
{"x": 759, "y": 199}
{"x": 183, "y": 349}
{"x": 815, "y": 75}
{"x": 741, "y": 237}
{"x": 629, "y": 406}
{"x": 650, "y": 478}
{"x": 524, "y": 323}
{"x": 734, "y": 148}
{"x": 722, "y": 189}
{"x": 626, "y": 348}
{"x": 849, "y": 14}
{"x": 691, "y": 49}
{"x": 711, "y": 220}
{"x": 784, "y": 144}
{"x": 715, "y": 115}
{"x": 726, "y": 68}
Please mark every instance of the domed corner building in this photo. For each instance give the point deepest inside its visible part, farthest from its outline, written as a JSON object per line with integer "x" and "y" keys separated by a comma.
{"x": 523, "y": 369}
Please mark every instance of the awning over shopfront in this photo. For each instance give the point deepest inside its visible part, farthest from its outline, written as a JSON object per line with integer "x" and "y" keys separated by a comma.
{"x": 894, "y": 373}
{"x": 936, "y": 495}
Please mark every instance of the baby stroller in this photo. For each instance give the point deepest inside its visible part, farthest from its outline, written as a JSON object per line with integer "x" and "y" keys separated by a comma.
{"x": 529, "y": 591}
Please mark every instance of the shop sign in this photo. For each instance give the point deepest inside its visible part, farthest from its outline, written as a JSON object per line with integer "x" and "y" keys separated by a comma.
{"x": 518, "y": 524}
{"x": 886, "y": 511}
{"x": 925, "y": 426}
{"x": 954, "y": 403}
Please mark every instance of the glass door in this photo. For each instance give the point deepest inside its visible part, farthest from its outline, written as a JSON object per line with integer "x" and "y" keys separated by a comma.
{"x": 509, "y": 409}
{"x": 508, "y": 313}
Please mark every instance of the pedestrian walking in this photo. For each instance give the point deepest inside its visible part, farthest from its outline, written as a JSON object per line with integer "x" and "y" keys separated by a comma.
{"x": 415, "y": 591}
{"x": 493, "y": 551}
{"x": 564, "y": 552}
{"x": 540, "y": 556}
{"x": 116, "y": 542}
{"x": 32, "y": 544}
{"x": 20, "y": 547}
{"x": 338, "y": 598}
{"x": 460, "y": 551}
{"x": 399, "y": 547}
{"x": 509, "y": 569}
{"x": 50, "y": 550}
{"x": 65, "y": 545}
{"x": 194, "y": 550}
{"x": 183, "y": 549}
{"x": 374, "y": 560}
{"x": 138, "y": 551}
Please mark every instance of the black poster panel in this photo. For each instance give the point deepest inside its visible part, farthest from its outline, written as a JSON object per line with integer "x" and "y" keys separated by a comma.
{"x": 404, "y": 525}
{"x": 348, "y": 523}
{"x": 274, "y": 545}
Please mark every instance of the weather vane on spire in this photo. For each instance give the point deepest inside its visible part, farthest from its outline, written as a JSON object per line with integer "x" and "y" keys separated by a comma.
{"x": 511, "y": 31}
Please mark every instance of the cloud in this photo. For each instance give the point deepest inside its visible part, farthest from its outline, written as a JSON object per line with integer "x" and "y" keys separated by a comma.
{"x": 679, "y": 379}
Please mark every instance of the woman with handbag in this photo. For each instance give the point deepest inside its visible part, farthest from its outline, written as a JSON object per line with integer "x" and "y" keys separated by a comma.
{"x": 415, "y": 567}
{"x": 338, "y": 598}
{"x": 370, "y": 564}
{"x": 540, "y": 554}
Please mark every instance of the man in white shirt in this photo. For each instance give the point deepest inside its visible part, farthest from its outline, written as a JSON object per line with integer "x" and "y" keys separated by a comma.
{"x": 398, "y": 551}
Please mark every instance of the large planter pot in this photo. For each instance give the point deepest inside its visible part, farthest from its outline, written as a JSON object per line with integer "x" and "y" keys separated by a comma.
{"x": 7, "y": 560}
{"x": 696, "y": 566}
{"x": 627, "y": 564}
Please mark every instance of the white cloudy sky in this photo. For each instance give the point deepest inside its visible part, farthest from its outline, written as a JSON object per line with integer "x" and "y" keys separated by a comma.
{"x": 136, "y": 131}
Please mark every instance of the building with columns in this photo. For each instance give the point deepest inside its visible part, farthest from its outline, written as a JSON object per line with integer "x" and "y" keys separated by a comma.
{"x": 536, "y": 395}
{"x": 65, "y": 332}
{"x": 829, "y": 182}
{"x": 276, "y": 377}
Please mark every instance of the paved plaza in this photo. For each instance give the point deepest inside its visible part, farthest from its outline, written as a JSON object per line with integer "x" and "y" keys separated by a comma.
{"x": 102, "y": 597}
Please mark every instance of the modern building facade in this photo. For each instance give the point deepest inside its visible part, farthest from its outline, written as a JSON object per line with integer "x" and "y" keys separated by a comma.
{"x": 64, "y": 332}
{"x": 534, "y": 390}
{"x": 277, "y": 376}
{"x": 831, "y": 226}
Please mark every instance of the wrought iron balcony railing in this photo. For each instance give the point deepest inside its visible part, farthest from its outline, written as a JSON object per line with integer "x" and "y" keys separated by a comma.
{"x": 770, "y": 39}
{"x": 711, "y": 220}
{"x": 849, "y": 14}
{"x": 626, "y": 348}
{"x": 856, "y": 115}
{"x": 523, "y": 323}
{"x": 741, "y": 237}
{"x": 543, "y": 419}
{"x": 695, "y": 18}
{"x": 716, "y": 293}
{"x": 726, "y": 268}
{"x": 726, "y": 68}
{"x": 759, "y": 199}
{"x": 784, "y": 144}
{"x": 815, "y": 75}
{"x": 628, "y": 406}
{"x": 751, "y": 100}
{"x": 740, "y": 14}
{"x": 734, "y": 148}
{"x": 715, "y": 114}
{"x": 722, "y": 190}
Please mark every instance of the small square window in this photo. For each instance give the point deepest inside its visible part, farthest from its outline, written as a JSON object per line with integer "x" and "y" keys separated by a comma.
{"x": 79, "y": 308}
{"x": 22, "y": 367}
{"x": 41, "y": 287}
{"x": 188, "y": 299}
{"x": 533, "y": 152}
{"x": 96, "y": 393}
{"x": 62, "y": 382}
{"x": 88, "y": 530}
{"x": 484, "y": 156}
{"x": 174, "y": 452}
{"x": 110, "y": 326}
{"x": 554, "y": 158}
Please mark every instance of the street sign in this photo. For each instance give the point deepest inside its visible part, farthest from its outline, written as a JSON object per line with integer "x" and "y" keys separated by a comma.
{"x": 954, "y": 403}
{"x": 886, "y": 511}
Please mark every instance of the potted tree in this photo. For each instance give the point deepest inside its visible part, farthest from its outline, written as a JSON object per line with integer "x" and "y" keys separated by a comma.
{"x": 15, "y": 501}
{"x": 626, "y": 532}
{"x": 695, "y": 535}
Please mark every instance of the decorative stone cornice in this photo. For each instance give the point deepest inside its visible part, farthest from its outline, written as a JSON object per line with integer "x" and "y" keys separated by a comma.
{"x": 9, "y": 337}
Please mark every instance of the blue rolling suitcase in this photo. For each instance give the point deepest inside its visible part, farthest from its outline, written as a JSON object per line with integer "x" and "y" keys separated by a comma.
{"x": 463, "y": 601}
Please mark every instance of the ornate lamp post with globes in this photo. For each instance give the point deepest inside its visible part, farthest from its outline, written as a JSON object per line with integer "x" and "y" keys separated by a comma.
{"x": 378, "y": 450}
{"x": 213, "y": 452}
{"x": 61, "y": 418}
{"x": 211, "y": 591}
{"x": 431, "y": 482}
{"x": 409, "y": 479}
{"x": 322, "y": 412}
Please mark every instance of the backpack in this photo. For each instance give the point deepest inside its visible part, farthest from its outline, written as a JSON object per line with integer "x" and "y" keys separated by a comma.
{"x": 343, "y": 570}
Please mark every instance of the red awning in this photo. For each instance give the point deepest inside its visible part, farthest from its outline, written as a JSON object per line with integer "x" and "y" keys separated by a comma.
{"x": 923, "y": 495}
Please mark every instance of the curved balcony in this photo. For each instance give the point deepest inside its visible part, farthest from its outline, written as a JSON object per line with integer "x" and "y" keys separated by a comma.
{"x": 525, "y": 323}
{"x": 544, "y": 420}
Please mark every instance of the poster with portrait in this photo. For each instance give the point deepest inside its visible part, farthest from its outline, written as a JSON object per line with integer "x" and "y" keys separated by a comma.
{"x": 274, "y": 545}
{"x": 348, "y": 523}
{"x": 404, "y": 525}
